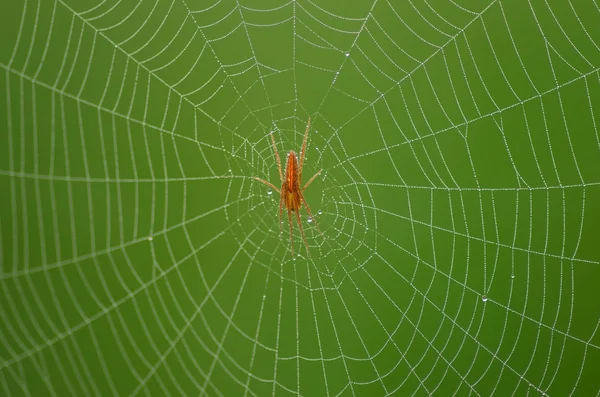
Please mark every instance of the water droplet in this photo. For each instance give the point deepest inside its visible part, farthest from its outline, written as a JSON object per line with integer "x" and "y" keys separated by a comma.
{"x": 310, "y": 219}
{"x": 269, "y": 192}
{"x": 319, "y": 212}
{"x": 229, "y": 170}
{"x": 150, "y": 238}
{"x": 512, "y": 276}
{"x": 337, "y": 72}
{"x": 484, "y": 298}
{"x": 264, "y": 297}
{"x": 347, "y": 54}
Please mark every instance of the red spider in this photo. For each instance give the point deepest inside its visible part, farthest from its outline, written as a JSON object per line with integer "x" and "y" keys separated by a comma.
{"x": 291, "y": 194}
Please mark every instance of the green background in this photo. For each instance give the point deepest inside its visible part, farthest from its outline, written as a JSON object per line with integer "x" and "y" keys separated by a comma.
{"x": 459, "y": 199}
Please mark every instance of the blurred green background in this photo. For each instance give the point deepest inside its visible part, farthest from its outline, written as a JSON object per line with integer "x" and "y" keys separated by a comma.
{"x": 459, "y": 199}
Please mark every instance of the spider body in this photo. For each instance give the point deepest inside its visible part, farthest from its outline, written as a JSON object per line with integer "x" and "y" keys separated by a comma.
{"x": 291, "y": 186}
{"x": 291, "y": 192}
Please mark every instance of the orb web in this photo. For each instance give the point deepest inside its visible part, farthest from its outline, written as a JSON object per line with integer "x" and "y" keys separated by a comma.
{"x": 458, "y": 199}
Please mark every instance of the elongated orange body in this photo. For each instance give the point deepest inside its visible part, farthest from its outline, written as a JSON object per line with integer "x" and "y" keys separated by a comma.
{"x": 291, "y": 186}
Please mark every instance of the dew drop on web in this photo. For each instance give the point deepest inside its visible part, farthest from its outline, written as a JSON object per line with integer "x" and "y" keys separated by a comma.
{"x": 269, "y": 192}
{"x": 484, "y": 298}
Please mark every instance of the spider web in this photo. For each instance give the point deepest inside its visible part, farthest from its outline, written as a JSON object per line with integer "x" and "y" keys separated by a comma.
{"x": 459, "y": 198}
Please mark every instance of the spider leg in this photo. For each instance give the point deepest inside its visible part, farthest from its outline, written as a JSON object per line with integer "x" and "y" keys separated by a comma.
{"x": 269, "y": 184}
{"x": 302, "y": 232}
{"x": 311, "y": 179}
{"x": 281, "y": 212}
{"x": 291, "y": 235}
{"x": 304, "y": 147}
{"x": 311, "y": 215}
{"x": 278, "y": 159}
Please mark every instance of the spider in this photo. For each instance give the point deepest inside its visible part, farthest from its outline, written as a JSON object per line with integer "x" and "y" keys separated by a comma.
{"x": 291, "y": 194}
